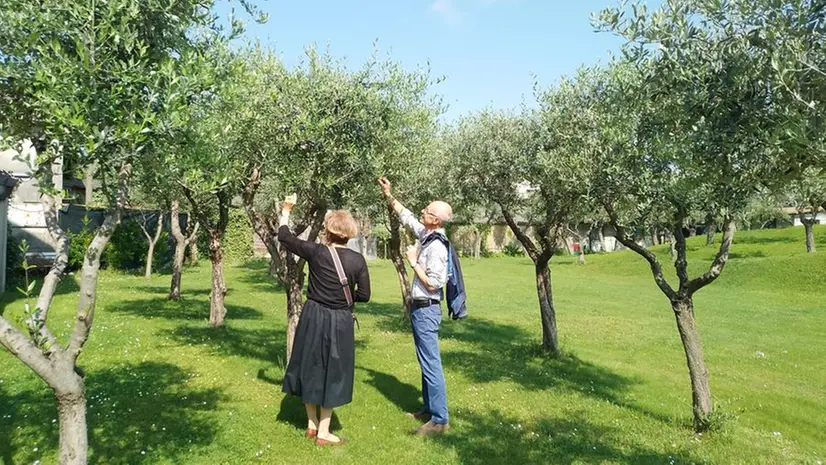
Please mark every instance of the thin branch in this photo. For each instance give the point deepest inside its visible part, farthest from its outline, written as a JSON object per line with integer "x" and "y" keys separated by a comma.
{"x": 523, "y": 238}
{"x": 194, "y": 233}
{"x": 681, "y": 261}
{"x": 91, "y": 265}
{"x": 719, "y": 261}
{"x": 52, "y": 279}
{"x": 656, "y": 267}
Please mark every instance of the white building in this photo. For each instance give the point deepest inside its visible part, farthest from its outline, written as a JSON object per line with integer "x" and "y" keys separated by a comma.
{"x": 794, "y": 216}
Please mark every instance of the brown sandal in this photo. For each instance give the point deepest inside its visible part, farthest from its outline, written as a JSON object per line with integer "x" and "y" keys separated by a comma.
{"x": 324, "y": 442}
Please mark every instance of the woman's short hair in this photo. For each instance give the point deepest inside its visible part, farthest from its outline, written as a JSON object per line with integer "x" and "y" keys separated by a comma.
{"x": 340, "y": 226}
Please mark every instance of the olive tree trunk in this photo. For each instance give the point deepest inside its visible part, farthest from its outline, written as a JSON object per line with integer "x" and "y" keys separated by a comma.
{"x": 288, "y": 268}
{"x": 152, "y": 240}
{"x": 544, "y": 288}
{"x": 397, "y": 259}
{"x": 181, "y": 243}
{"x": 697, "y": 369}
{"x": 808, "y": 226}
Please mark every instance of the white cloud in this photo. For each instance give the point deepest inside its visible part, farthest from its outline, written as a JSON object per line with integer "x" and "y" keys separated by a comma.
{"x": 448, "y": 11}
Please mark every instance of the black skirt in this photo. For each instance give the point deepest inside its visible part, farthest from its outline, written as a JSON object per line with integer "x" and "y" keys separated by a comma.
{"x": 323, "y": 358}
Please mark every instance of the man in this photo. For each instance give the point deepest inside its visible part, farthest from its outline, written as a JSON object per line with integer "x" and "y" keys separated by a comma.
{"x": 430, "y": 269}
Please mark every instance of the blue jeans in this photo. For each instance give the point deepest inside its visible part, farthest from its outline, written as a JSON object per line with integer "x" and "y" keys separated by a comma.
{"x": 425, "y": 322}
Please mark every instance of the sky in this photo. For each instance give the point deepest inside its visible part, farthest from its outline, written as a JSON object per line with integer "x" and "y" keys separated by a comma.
{"x": 488, "y": 50}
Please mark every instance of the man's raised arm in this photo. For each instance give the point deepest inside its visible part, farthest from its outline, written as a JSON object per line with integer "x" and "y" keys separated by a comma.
{"x": 406, "y": 217}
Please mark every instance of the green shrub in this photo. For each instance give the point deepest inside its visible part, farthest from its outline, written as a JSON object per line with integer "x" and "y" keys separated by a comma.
{"x": 238, "y": 238}
{"x": 127, "y": 247}
{"x": 237, "y": 244}
{"x": 78, "y": 243}
{"x": 513, "y": 249}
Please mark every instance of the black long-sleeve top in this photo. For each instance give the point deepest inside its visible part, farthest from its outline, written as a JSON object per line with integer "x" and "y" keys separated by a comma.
{"x": 324, "y": 286}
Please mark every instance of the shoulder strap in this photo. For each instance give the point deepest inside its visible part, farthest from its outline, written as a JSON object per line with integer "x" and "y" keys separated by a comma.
{"x": 341, "y": 276}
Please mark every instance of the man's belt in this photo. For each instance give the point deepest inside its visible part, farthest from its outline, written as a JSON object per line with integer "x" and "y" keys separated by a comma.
{"x": 421, "y": 303}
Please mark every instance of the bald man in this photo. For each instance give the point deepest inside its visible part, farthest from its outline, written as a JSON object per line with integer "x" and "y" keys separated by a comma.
{"x": 429, "y": 264}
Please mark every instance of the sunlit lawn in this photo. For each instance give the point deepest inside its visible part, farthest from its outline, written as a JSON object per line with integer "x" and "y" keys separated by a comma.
{"x": 165, "y": 388}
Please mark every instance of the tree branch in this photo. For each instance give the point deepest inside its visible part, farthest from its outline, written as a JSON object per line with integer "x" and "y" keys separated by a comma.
{"x": 24, "y": 349}
{"x": 52, "y": 279}
{"x": 719, "y": 261}
{"x": 262, "y": 226}
{"x": 91, "y": 265}
{"x": 656, "y": 267}
{"x": 681, "y": 262}
{"x": 523, "y": 238}
{"x": 194, "y": 233}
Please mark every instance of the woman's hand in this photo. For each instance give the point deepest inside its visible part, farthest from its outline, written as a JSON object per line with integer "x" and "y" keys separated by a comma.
{"x": 288, "y": 204}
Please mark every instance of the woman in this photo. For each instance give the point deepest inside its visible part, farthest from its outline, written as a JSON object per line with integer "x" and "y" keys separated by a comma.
{"x": 323, "y": 356}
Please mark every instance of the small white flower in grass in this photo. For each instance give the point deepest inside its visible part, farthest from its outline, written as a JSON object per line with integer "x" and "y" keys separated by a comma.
{"x": 259, "y": 453}
{"x": 759, "y": 354}
{"x": 34, "y": 450}
{"x": 36, "y": 462}
{"x": 143, "y": 452}
{"x": 777, "y": 434}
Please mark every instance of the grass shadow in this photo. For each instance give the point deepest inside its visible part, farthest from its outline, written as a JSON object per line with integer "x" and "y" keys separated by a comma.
{"x": 403, "y": 395}
{"x": 747, "y": 254}
{"x": 257, "y": 274}
{"x": 495, "y": 437}
{"x": 188, "y": 309}
{"x": 765, "y": 240}
{"x": 266, "y": 345}
{"x": 162, "y": 290}
{"x": 502, "y": 352}
{"x": 141, "y": 413}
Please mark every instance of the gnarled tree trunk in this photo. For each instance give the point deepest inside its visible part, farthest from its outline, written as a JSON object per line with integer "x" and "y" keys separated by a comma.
{"x": 71, "y": 413}
{"x": 181, "y": 243}
{"x": 194, "y": 253}
{"x": 697, "y": 369}
{"x": 295, "y": 303}
{"x": 398, "y": 261}
{"x": 152, "y": 240}
{"x": 808, "y": 226}
{"x": 541, "y": 258}
{"x": 217, "y": 310}
{"x": 42, "y": 352}
{"x": 550, "y": 339}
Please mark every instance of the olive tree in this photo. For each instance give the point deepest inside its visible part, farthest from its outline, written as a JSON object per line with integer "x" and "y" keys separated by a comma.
{"x": 90, "y": 83}
{"x": 700, "y": 98}
{"x": 319, "y": 131}
{"x": 493, "y": 153}
{"x": 807, "y": 195}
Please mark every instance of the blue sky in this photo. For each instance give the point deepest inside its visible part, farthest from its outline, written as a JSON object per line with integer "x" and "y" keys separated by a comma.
{"x": 486, "y": 49}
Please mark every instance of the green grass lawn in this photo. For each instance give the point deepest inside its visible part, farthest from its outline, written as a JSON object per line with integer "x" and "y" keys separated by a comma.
{"x": 163, "y": 387}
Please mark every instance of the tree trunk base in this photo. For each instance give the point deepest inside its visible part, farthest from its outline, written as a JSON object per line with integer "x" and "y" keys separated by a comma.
{"x": 74, "y": 443}
{"x": 697, "y": 369}
{"x": 550, "y": 339}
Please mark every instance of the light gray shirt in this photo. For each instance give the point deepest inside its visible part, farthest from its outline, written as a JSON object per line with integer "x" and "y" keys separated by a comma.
{"x": 432, "y": 257}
